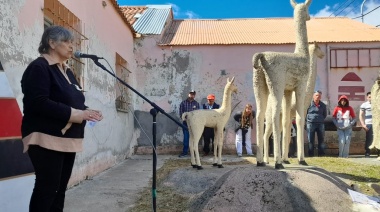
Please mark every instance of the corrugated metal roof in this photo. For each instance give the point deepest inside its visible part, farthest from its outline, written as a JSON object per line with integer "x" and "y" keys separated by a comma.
{"x": 265, "y": 31}
{"x": 152, "y": 21}
{"x": 130, "y": 12}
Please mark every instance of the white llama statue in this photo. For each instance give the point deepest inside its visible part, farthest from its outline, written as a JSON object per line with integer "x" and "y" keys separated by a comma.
{"x": 284, "y": 73}
{"x": 215, "y": 118}
{"x": 315, "y": 53}
{"x": 375, "y": 107}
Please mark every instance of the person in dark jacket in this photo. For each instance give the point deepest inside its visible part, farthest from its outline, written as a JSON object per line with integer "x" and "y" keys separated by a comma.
{"x": 208, "y": 132}
{"x": 187, "y": 105}
{"x": 243, "y": 131}
{"x": 315, "y": 117}
{"x": 54, "y": 119}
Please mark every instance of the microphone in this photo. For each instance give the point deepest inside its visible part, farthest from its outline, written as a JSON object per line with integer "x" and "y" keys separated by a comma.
{"x": 78, "y": 54}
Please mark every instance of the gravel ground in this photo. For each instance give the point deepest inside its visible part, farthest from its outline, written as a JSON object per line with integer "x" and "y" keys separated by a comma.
{"x": 251, "y": 188}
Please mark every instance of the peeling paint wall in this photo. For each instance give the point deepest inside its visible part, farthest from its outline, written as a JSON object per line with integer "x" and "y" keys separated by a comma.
{"x": 166, "y": 74}
{"x": 109, "y": 141}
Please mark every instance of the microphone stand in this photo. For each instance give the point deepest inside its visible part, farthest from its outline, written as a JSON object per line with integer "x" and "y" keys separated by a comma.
{"x": 154, "y": 111}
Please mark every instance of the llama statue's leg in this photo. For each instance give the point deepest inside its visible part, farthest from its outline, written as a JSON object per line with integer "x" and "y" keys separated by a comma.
{"x": 196, "y": 148}
{"x": 375, "y": 95}
{"x": 268, "y": 130}
{"x": 259, "y": 139}
{"x": 197, "y": 133}
{"x": 300, "y": 121}
{"x": 191, "y": 145}
{"x": 286, "y": 105}
{"x": 216, "y": 142}
{"x": 286, "y": 143}
{"x": 260, "y": 90}
{"x": 276, "y": 100}
{"x": 220, "y": 147}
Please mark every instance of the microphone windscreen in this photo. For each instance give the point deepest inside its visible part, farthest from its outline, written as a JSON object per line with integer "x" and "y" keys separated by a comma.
{"x": 77, "y": 54}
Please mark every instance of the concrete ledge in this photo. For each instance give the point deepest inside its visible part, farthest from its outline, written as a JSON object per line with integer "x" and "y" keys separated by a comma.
{"x": 177, "y": 149}
{"x": 332, "y": 149}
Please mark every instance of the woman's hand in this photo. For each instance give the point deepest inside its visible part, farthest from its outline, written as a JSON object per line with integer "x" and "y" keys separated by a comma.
{"x": 92, "y": 115}
{"x": 365, "y": 128}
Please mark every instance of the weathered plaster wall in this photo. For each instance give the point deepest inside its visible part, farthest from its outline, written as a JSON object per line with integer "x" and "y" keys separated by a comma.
{"x": 21, "y": 27}
{"x": 112, "y": 139}
{"x": 19, "y": 37}
{"x": 166, "y": 74}
{"x": 358, "y": 78}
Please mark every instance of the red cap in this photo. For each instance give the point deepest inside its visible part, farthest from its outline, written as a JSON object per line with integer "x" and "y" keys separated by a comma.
{"x": 211, "y": 96}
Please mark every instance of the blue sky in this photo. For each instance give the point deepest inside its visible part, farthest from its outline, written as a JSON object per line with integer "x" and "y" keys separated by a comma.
{"x": 222, "y": 9}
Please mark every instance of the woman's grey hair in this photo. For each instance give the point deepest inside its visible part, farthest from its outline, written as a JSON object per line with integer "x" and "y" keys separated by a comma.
{"x": 56, "y": 34}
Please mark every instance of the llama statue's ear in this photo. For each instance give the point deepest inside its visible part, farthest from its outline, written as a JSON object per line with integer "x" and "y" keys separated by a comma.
{"x": 293, "y": 3}
{"x": 230, "y": 81}
{"x": 308, "y": 2}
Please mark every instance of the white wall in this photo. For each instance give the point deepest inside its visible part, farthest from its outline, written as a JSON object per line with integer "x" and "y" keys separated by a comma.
{"x": 15, "y": 193}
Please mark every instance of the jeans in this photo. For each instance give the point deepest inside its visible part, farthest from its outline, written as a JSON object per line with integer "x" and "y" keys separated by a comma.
{"x": 344, "y": 137}
{"x": 53, "y": 170}
{"x": 239, "y": 142}
{"x": 368, "y": 138}
{"x": 208, "y": 136}
{"x": 293, "y": 147}
{"x": 185, "y": 140}
{"x": 318, "y": 128}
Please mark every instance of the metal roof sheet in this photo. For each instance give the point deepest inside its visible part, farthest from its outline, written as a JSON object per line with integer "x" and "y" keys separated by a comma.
{"x": 131, "y": 11}
{"x": 153, "y": 20}
{"x": 265, "y": 31}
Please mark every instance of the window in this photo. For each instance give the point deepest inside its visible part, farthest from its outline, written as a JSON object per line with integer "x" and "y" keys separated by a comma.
{"x": 57, "y": 14}
{"x": 122, "y": 96}
{"x": 355, "y": 58}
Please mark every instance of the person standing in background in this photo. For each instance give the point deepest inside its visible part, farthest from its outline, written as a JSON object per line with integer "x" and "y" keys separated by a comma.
{"x": 293, "y": 141}
{"x": 365, "y": 117}
{"x": 187, "y": 105}
{"x": 344, "y": 120}
{"x": 208, "y": 132}
{"x": 243, "y": 131}
{"x": 54, "y": 119}
{"x": 315, "y": 123}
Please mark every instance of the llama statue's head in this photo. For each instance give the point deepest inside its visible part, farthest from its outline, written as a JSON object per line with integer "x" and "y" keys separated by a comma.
{"x": 230, "y": 85}
{"x": 301, "y": 11}
{"x": 314, "y": 47}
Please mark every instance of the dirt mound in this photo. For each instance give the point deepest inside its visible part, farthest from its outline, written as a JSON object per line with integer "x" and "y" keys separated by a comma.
{"x": 249, "y": 188}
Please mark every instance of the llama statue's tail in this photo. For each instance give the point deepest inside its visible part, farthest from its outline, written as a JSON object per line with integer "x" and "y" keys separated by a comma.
{"x": 184, "y": 116}
{"x": 255, "y": 60}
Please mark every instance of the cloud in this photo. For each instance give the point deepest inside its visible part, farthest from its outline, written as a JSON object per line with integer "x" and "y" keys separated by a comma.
{"x": 178, "y": 14}
{"x": 354, "y": 12}
{"x": 191, "y": 15}
{"x": 175, "y": 9}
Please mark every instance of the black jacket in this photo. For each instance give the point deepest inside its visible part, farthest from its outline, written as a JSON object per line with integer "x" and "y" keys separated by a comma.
{"x": 48, "y": 99}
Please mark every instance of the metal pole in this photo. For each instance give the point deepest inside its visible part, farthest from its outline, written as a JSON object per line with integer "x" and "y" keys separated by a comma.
{"x": 361, "y": 10}
{"x": 154, "y": 112}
